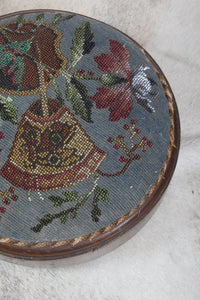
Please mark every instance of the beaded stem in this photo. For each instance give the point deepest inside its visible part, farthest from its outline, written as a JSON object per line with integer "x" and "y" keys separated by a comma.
{"x": 42, "y": 87}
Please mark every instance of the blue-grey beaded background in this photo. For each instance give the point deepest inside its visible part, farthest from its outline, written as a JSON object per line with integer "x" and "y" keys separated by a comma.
{"x": 107, "y": 127}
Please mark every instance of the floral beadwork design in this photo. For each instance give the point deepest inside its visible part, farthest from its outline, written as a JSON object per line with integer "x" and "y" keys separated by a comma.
{"x": 73, "y": 197}
{"x": 129, "y": 151}
{"x": 128, "y": 83}
{"x": 51, "y": 149}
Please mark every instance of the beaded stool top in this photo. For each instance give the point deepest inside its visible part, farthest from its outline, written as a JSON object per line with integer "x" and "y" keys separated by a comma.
{"x": 88, "y": 133}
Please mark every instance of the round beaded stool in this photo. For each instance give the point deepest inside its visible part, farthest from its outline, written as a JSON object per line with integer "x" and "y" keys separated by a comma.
{"x": 89, "y": 134}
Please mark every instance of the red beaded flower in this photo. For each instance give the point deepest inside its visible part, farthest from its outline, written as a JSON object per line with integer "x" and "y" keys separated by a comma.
{"x": 127, "y": 83}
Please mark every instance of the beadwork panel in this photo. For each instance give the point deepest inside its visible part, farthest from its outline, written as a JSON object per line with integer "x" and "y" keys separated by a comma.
{"x": 84, "y": 130}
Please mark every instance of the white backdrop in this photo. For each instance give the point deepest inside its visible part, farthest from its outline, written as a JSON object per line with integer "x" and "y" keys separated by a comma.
{"x": 162, "y": 261}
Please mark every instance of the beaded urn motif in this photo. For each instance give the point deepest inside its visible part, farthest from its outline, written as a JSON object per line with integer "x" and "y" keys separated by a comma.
{"x": 52, "y": 152}
{"x": 50, "y": 149}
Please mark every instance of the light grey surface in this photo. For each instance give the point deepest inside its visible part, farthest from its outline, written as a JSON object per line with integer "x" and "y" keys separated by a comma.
{"x": 162, "y": 261}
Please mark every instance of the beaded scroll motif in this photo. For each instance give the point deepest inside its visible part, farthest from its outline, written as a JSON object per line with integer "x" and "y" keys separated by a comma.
{"x": 51, "y": 150}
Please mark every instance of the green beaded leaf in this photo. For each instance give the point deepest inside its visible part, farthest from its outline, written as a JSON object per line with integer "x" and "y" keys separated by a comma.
{"x": 63, "y": 219}
{"x": 8, "y": 111}
{"x": 58, "y": 93}
{"x": 82, "y": 44}
{"x": 40, "y": 19}
{"x": 20, "y": 21}
{"x": 59, "y": 18}
{"x": 69, "y": 197}
{"x": 77, "y": 94}
{"x": 100, "y": 192}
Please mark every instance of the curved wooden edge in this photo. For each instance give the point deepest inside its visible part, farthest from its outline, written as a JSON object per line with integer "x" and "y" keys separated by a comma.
{"x": 91, "y": 242}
